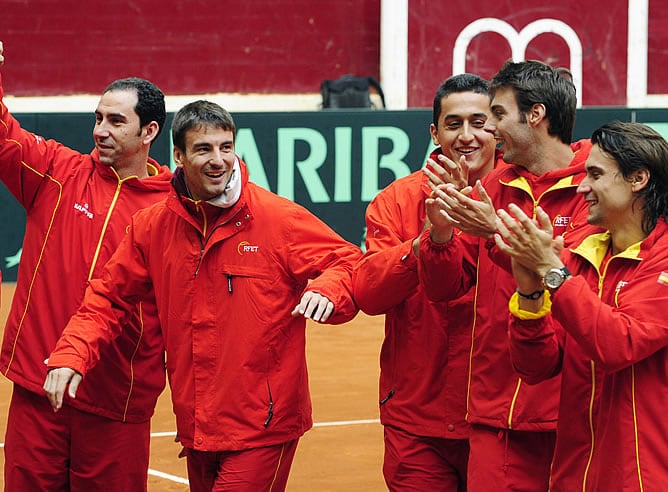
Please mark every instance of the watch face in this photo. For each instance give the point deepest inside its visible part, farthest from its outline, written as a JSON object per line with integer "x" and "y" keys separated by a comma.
{"x": 553, "y": 279}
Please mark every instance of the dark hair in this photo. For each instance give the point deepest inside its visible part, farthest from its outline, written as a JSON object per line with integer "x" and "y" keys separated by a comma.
{"x": 197, "y": 114}
{"x": 465, "y": 82}
{"x": 535, "y": 82}
{"x": 150, "y": 100}
{"x": 636, "y": 146}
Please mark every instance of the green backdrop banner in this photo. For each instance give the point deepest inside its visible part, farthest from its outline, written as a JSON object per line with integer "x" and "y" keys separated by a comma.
{"x": 332, "y": 162}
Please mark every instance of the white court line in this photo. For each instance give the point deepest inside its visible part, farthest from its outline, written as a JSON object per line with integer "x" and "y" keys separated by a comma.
{"x": 163, "y": 434}
{"x": 347, "y": 422}
{"x": 167, "y": 476}
{"x": 317, "y": 424}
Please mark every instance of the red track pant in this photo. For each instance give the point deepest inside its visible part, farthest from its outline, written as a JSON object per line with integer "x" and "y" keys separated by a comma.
{"x": 416, "y": 463}
{"x": 71, "y": 450}
{"x": 250, "y": 470}
{"x": 505, "y": 460}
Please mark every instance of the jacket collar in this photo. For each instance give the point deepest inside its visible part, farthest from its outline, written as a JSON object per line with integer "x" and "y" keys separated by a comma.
{"x": 595, "y": 246}
{"x": 158, "y": 179}
{"x": 571, "y": 175}
{"x": 201, "y": 210}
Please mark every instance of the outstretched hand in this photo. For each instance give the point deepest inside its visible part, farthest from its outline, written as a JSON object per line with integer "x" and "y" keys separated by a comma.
{"x": 56, "y": 382}
{"x": 314, "y": 306}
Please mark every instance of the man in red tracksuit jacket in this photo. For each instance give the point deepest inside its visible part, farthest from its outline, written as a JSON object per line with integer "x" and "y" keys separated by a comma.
{"x": 512, "y": 424}
{"x": 78, "y": 208}
{"x": 424, "y": 356}
{"x": 609, "y": 294}
{"x": 236, "y": 270}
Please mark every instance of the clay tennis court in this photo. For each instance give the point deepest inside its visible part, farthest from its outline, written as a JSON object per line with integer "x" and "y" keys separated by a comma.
{"x": 343, "y": 452}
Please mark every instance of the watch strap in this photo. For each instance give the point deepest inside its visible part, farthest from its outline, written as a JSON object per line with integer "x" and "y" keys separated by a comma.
{"x": 534, "y": 296}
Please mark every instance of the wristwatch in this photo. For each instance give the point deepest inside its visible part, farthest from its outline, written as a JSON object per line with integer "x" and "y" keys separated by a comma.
{"x": 555, "y": 277}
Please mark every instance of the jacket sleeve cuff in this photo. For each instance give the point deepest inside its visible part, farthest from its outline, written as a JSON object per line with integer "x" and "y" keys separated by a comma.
{"x": 426, "y": 239}
{"x": 75, "y": 363}
{"x": 408, "y": 258}
{"x": 514, "y": 307}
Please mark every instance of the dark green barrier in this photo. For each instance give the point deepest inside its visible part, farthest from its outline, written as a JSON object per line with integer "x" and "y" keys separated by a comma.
{"x": 332, "y": 162}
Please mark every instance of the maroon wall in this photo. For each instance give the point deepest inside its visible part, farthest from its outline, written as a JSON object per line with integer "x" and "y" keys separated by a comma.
{"x": 600, "y": 26}
{"x": 187, "y": 47}
{"x": 289, "y": 46}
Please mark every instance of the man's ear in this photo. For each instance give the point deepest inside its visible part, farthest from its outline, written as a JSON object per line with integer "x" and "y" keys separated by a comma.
{"x": 536, "y": 114}
{"x": 639, "y": 179}
{"x": 151, "y": 132}
{"x": 433, "y": 131}
{"x": 178, "y": 157}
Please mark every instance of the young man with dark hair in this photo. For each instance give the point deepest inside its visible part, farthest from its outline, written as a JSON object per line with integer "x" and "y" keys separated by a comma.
{"x": 424, "y": 357}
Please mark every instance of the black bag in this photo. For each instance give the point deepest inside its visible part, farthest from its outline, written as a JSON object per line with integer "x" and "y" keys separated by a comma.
{"x": 350, "y": 91}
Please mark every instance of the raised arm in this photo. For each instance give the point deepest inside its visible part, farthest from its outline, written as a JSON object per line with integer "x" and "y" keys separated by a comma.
{"x": 470, "y": 210}
{"x": 387, "y": 274}
{"x": 26, "y": 159}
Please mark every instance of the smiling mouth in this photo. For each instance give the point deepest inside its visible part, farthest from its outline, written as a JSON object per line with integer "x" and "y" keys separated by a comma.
{"x": 218, "y": 177}
{"x": 466, "y": 150}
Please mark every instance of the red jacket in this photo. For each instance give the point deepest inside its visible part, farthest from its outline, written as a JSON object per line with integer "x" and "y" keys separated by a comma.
{"x": 497, "y": 397}
{"x": 575, "y": 428}
{"x": 225, "y": 289}
{"x": 77, "y": 213}
{"x": 615, "y": 318}
{"x": 424, "y": 356}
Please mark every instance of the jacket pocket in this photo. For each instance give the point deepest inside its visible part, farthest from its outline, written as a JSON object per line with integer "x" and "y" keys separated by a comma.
{"x": 270, "y": 407}
{"x": 236, "y": 275}
{"x": 387, "y": 398}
